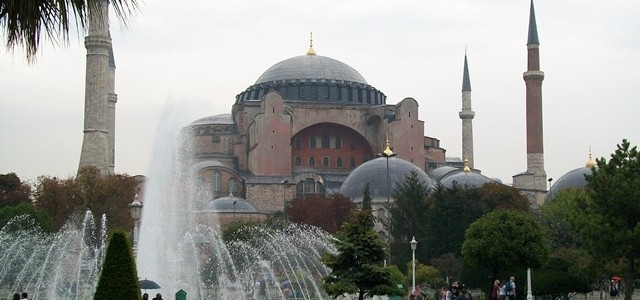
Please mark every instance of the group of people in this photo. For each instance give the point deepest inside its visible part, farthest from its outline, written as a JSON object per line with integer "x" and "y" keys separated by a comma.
{"x": 18, "y": 296}
{"x": 158, "y": 296}
{"x": 506, "y": 291}
{"x": 456, "y": 291}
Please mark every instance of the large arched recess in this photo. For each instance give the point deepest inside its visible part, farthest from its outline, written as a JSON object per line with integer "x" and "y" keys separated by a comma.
{"x": 342, "y": 147}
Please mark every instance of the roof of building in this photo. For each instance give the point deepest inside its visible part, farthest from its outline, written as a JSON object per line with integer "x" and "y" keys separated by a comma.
{"x": 465, "y": 179}
{"x": 572, "y": 179}
{"x": 311, "y": 67}
{"x": 533, "y": 28}
{"x": 374, "y": 172}
{"x": 217, "y": 119}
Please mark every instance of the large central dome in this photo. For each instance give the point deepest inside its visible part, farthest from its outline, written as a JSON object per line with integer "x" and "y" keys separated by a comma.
{"x": 314, "y": 79}
{"x": 311, "y": 67}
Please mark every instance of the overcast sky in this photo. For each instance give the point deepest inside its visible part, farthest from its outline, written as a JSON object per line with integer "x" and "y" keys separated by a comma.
{"x": 196, "y": 56}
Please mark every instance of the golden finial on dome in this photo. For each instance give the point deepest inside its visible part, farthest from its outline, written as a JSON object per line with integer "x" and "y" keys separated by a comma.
{"x": 590, "y": 163}
{"x": 466, "y": 166}
{"x": 311, "y": 51}
{"x": 387, "y": 150}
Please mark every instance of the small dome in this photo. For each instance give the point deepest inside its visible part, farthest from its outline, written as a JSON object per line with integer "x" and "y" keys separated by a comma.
{"x": 217, "y": 119}
{"x": 231, "y": 204}
{"x": 374, "y": 172}
{"x": 572, "y": 179}
{"x": 438, "y": 173}
{"x": 465, "y": 179}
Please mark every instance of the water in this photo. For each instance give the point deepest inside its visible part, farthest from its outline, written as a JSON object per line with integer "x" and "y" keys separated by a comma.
{"x": 64, "y": 265}
{"x": 181, "y": 247}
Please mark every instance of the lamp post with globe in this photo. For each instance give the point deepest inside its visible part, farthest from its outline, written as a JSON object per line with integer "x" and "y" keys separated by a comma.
{"x": 414, "y": 244}
{"x": 136, "y": 211}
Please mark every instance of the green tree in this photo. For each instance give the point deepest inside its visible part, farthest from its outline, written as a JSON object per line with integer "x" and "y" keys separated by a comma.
{"x": 559, "y": 278}
{"x": 425, "y": 275}
{"x": 608, "y": 218}
{"x": 24, "y": 20}
{"x": 41, "y": 218}
{"x": 408, "y": 214}
{"x": 357, "y": 267}
{"x": 118, "y": 278}
{"x": 366, "y": 198}
{"x": 504, "y": 240}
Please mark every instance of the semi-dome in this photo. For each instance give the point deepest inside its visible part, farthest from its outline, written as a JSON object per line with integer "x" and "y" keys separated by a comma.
{"x": 225, "y": 119}
{"x": 374, "y": 172}
{"x": 314, "y": 78}
{"x": 231, "y": 204}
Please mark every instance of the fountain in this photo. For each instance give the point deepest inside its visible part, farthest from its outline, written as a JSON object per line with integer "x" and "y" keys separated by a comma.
{"x": 178, "y": 250}
{"x": 64, "y": 265}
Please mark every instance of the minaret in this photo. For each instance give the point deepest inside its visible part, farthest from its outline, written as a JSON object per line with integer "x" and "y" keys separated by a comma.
{"x": 111, "y": 111}
{"x": 95, "y": 144}
{"x": 534, "y": 180}
{"x": 467, "y": 114}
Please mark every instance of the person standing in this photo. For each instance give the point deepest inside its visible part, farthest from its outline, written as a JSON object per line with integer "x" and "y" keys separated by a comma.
{"x": 495, "y": 290}
{"x": 25, "y": 296}
{"x": 510, "y": 289}
{"x": 462, "y": 295}
{"x": 16, "y": 296}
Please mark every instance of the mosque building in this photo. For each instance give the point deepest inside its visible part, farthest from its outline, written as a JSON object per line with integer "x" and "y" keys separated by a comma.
{"x": 311, "y": 124}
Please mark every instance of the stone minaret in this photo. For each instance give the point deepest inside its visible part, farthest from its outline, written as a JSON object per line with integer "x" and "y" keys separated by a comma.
{"x": 99, "y": 87}
{"x": 467, "y": 114}
{"x": 111, "y": 111}
{"x": 534, "y": 179}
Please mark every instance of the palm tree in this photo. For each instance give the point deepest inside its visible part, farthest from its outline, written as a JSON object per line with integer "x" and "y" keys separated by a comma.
{"x": 23, "y": 21}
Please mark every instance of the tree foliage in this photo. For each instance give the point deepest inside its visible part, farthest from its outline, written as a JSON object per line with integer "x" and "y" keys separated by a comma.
{"x": 408, "y": 214}
{"x": 357, "y": 267}
{"x": 13, "y": 190}
{"x": 118, "y": 278}
{"x": 24, "y": 20}
{"x": 560, "y": 278}
{"x": 110, "y": 196}
{"x": 41, "y": 218}
{"x": 326, "y": 212}
{"x": 608, "y": 219}
{"x": 504, "y": 240}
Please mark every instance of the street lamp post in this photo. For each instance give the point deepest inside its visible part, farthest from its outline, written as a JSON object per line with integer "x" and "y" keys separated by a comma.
{"x": 234, "y": 209}
{"x": 414, "y": 244}
{"x": 136, "y": 210}
{"x": 388, "y": 153}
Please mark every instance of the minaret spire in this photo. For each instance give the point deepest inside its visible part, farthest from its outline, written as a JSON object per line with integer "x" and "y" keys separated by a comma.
{"x": 467, "y": 114}
{"x": 534, "y": 180}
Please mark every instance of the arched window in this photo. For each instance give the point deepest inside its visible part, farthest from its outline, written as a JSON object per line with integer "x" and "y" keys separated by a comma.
{"x": 352, "y": 162}
{"x": 298, "y": 143}
{"x": 339, "y": 162}
{"x": 325, "y": 162}
{"x": 298, "y": 160}
{"x": 216, "y": 181}
{"x": 309, "y": 186}
{"x": 233, "y": 186}
{"x": 312, "y": 161}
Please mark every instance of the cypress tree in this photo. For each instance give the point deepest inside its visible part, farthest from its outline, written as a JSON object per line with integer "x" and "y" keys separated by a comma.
{"x": 118, "y": 278}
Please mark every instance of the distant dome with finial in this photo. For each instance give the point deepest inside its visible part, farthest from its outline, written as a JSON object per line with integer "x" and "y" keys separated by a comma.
{"x": 311, "y": 51}
{"x": 573, "y": 179}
